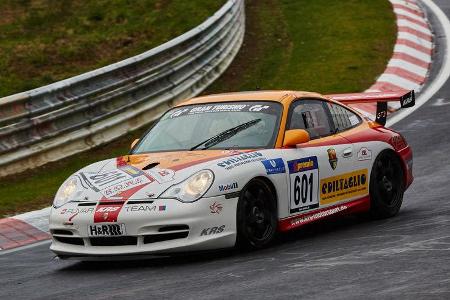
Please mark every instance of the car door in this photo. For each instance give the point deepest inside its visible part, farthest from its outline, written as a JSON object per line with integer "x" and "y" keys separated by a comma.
{"x": 313, "y": 165}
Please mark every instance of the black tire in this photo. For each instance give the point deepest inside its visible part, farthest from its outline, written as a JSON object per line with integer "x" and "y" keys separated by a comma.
{"x": 256, "y": 216}
{"x": 386, "y": 186}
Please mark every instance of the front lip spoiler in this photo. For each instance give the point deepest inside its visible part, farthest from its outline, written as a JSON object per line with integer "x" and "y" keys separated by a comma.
{"x": 144, "y": 256}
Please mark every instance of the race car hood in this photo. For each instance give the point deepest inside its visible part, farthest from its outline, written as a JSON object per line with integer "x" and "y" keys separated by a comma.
{"x": 141, "y": 176}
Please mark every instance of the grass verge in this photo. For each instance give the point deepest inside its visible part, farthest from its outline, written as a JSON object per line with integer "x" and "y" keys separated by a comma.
{"x": 320, "y": 45}
{"x": 42, "y": 41}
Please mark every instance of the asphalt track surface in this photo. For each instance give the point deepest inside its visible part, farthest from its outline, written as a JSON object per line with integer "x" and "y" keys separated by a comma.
{"x": 407, "y": 256}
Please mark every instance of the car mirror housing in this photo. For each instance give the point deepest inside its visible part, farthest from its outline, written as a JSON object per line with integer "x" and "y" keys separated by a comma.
{"x": 134, "y": 143}
{"x": 294, "y": 137}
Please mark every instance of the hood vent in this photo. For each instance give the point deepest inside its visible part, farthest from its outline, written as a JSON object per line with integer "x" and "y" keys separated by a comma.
{"x": 150, "y": 166}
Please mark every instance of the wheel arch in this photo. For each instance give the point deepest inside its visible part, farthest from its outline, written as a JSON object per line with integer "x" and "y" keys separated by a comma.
{"x": 272, "y": 187}
{"x": 400, "y": 160}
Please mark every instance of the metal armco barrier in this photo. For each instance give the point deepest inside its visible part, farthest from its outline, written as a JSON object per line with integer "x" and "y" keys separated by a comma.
{"x": 70, "y": 116}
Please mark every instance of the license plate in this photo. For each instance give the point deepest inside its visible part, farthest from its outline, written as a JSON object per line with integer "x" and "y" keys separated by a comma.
{"x": 106, "y": 230}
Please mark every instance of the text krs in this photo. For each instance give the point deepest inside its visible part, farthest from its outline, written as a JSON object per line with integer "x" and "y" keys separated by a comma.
{"x": 212, "y": 230}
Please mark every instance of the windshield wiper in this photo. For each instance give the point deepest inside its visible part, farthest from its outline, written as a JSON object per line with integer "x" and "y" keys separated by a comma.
{"x": 225, "y": 135}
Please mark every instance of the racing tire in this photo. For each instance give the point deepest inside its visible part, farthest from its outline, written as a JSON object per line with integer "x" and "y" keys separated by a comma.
{"x": 386, "y": 186}
{"x": 256, "y": 216}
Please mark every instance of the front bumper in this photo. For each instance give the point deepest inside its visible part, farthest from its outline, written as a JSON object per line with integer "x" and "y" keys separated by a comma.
{"x": 164, "y": 226}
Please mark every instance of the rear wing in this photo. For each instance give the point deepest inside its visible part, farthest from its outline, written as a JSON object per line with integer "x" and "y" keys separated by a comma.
{"x": 406, "y": 99}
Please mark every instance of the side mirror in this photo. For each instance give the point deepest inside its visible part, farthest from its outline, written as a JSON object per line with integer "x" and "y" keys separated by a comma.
{"x": 294, "y": 137}
{"x": 134, "y": 143}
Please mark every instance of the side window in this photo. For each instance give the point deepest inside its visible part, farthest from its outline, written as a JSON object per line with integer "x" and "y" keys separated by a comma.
{"x": 312, "y": 116}
{"x": 343, "y": 118}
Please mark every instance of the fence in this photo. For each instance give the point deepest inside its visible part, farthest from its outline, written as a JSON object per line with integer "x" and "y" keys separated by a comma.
{"x": 70, "y": 116}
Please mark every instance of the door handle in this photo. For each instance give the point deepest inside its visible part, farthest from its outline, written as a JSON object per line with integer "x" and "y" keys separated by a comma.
{"x": 347, "y": 153}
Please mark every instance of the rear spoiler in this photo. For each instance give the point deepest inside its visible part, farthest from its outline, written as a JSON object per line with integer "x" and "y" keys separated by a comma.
{"x": 406, "y": 99}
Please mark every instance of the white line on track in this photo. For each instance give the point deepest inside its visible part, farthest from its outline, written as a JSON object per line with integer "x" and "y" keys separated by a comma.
{"x": 444, "y": 72}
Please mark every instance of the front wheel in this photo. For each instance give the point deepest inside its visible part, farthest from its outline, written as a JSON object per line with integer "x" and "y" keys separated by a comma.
{"x": 256, "y": 216}
{"x": 386, "y": 186}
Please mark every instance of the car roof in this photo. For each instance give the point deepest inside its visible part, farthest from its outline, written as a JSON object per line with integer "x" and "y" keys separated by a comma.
{"x": 276, "y": 96}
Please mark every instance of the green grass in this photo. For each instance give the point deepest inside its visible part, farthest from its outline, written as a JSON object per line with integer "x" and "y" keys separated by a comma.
{"x": 320, "y": 45}
{"x": 42, "y": 41}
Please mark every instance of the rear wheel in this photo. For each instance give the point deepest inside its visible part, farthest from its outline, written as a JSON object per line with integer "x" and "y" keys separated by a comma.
{"x": 256, "y": 215}
{"x": 386, "y": 186}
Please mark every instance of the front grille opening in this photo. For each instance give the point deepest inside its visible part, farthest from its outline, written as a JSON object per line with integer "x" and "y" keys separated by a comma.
{"x": 69, "y": 240}
{"x": 173, "y": 228}
{"x": 114, "y": 241}
{"x": 87, "y": 204}
{"x": 155, "y": 238}
{"x": 62, "y": 232}
{"x": 140, "y": 202}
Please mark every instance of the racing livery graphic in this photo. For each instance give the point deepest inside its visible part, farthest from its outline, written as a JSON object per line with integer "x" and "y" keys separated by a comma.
{"x": 234, "y": 170}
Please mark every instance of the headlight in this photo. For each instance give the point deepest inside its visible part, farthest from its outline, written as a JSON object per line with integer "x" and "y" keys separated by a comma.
{"x": 67, "y": 189}
{"x": 192, "y": 188}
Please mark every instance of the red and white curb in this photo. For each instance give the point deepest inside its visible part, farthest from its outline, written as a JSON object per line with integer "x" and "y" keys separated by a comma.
{"x": 24, "y": 229}
{"x": 410, "y": 64}
{"x": 407, "y": 70}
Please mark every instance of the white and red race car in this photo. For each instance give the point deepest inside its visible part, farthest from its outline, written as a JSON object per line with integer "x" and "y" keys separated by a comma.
{"x": 233, "y": 169}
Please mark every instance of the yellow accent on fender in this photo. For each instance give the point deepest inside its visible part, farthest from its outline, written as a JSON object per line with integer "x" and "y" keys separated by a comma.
{"x": 348, "y": 185}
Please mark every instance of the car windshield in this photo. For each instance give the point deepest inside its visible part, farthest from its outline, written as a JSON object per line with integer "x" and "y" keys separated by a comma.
{"x": 226, "y": 125}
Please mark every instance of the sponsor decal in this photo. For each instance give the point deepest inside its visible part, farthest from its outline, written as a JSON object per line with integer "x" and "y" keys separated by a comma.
{"x": 107, "y": 230}
{"x": 201, "y": 109}
{"x": 72, "y": 211}
{"x": 110, "y": 184}
{"x": 353, "y": 120}
{"x": 274, "y": 166}
{"x": 364, "y": 154}
{"x": 228, "y": 187}
{"x": 140, "y": 208}
{"x": 212, "y": 230}
{"x": 143, "y": 208}
{"x": 232, "y": 152}
{"x": 122, "y": 161}
{"x": 304, "y": 184}
{"x": 344, "y": 186}
{"x": 332, "y": 158}
{"x": 107, "y": 212}
{"x": 75, "y": 212}
{"x": 115, "y": 189}
{"x": 398, "y": 142}
{"x": 161, "y": 175}
{"x": 239, "y": 160}
{"x": 215, "y": 208}
{"x": 258, "y": 107}
{"x": 317, "y": 216}
{"x": 178, "y": 112}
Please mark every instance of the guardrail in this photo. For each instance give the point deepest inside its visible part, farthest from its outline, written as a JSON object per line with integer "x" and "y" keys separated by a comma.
{"x": 72, "y": 115}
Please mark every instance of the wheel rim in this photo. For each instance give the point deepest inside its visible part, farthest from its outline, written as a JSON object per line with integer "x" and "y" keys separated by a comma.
{"x": 389, "y": 180}
{"x": 258, "y": 217}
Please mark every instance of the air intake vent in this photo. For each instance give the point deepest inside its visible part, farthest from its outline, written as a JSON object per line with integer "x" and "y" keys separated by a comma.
{"x": 173, "y": 228}
{"x": 70, "y": 240}
{"x": 150, "y": 166}
{"x": 114, "y": 241}
{"x": 155, "y": 238}
{"x": 62, "y": 232}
